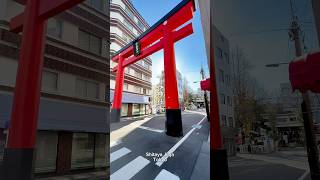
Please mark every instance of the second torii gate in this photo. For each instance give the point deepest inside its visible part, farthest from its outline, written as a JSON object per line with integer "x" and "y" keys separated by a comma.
{"x": 162, "y": 35}
{"x": 19, "y": 156}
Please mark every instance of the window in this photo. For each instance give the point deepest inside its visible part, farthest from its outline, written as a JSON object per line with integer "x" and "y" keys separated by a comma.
{"x": 100, "y": 151}
{"x": 97, "y": 4}
{"x": 219, "y": 53}
{"x": 46, "y": 155}
{"x": 136, "y": 109}
{"x": 231, "y": 123}
{"x": 221, "y": 75}
{"x": 88, "y": 89}
{"x": 228, "y": 80}
{"x": 82, "y": 151}
{"x": 49, "y": 81}
{"x": 127, "y": 70}
{"x": 125, "y": 86}
{"x": 229, "y": 100}
{"x": 2, "y": 143}
{"x": 125, "y": 38}
{"x": 224, "y": 120}
{"x": 226, "y": 56}
{"x": 129, "y": 12}
{"x": 89, "y": 42}
{"x": 141, "y": 26}
{"x": 138, "y": 75}
{"x": 137, "y": 89}
{"x": 54, "y": 28}
{"x": 124, "y": 110}
{"x": 223, "y": 98}
{"x": 128, "y": 25}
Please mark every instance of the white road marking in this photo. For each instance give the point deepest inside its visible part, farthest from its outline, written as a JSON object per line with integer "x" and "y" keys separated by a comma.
{"x": 304, "y": 175}
{"x": 151, "y": 129}
{"x": 130, "y": 169}
{"x": 118, "y": 154}
{"x": 165, "y": 157}
{"x": 166, "y": 175}
{"x": 114, "y": 143}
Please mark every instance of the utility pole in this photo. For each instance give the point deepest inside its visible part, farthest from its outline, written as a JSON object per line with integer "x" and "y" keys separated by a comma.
{"x": 312, "y": 150}
{"x": 205, "y": 96}
{"x": 316, "y": 12}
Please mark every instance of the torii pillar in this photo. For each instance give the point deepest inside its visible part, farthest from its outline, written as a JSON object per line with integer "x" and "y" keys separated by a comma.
{"x": 162, "y": 35}
{"x": 19, "y": 156}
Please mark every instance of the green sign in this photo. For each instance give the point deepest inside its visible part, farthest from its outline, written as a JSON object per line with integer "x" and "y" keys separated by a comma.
{"x": 136, "y": 48}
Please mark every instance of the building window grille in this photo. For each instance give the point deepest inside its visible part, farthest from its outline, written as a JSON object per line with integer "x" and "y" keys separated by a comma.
{"x": 54, "y": 28}
{"x": 89, "y": 42}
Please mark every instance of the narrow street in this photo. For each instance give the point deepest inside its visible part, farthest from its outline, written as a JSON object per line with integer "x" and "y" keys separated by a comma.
{"x": 140, "y": 154}
{"x": 282, "y": 165}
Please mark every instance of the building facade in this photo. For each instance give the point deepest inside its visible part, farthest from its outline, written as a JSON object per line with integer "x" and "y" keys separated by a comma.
{"x": 223, "y": 74}
{"x": 125, "y": 25}
{"x": 74, "y": 112}
{"x": 158, "y": 93}
{"x": 225, "y": 90}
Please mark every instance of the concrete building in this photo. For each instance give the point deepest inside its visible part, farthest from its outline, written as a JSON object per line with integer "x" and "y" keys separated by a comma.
{"x": 225, "y": 90}
{"x": 289, "y": 120}
{"x": 179, "y": 83}
{"x": 125, "y": 25}
{"x": 158, "y": 93}
{"x": 223, "y": 74}
{"x": 74, "y": 114}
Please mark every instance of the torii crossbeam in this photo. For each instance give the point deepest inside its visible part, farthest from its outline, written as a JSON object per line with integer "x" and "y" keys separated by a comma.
{"x": 19, "y": 153}
{"x": 162, "y": 35}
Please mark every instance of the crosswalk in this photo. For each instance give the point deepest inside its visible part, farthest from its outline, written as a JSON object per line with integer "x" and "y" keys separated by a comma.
{"x": 132, "y": 168}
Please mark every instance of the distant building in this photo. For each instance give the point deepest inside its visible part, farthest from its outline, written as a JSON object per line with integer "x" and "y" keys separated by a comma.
{"x": 125, "y": 25}
{"x": 158, "y": 98}
{"x": 73, "y": 117}
{"x": 179, "y": 83}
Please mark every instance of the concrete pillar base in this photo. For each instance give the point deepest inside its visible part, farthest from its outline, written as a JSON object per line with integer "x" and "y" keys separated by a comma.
{"x": 115, "y": 115}
{"x": 219, "y": 169}
{"x": 18, "y": 164}
{"x": 174, "y": 123}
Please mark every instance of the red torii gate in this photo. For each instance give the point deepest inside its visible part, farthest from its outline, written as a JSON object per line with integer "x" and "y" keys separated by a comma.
{"x": 162, "y": 35}
{"x": 19, "y": 153}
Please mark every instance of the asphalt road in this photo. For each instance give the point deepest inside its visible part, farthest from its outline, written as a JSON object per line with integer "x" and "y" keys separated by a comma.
{"x": 282, "y": 167}
{"x": 134, "y": 156}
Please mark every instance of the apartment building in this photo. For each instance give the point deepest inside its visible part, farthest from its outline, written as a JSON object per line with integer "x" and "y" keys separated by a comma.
{"x": 74, "y": 114}
{"x": 158, "y": 93}
{"x": 225, "y": 90}
{"x": 125, "y": 25}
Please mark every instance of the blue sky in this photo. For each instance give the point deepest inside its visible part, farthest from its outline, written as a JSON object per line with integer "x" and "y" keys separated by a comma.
{"x": 239, "y": 20}
{"x": 190, "y": 52}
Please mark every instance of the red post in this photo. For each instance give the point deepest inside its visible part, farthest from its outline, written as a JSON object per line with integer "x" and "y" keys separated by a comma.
{"x": 218, "y": 155}
{"x": 173, "y": 111}
{"x": 117, "y": 101}
{"x": 18, "y": 160}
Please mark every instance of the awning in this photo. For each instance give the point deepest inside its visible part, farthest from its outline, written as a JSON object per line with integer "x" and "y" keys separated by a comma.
{"x": 61, "y": 115}
{"x": 131, "y": 98}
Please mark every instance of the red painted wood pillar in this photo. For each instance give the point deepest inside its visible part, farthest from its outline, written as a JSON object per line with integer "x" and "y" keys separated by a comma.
{"x": 18, "y": 160}
{"x": 219, "y": 169}
{"x": 173, "y": 111}
{"x": 117, "y": 101}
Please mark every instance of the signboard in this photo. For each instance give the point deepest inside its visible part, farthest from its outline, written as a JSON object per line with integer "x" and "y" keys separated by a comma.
{"x": 137, "y": 48}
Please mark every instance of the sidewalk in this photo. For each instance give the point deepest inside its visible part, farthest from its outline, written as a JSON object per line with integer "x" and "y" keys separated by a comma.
{"x": 284, "y": 161}
{"x": 201, "y": 170}
{"x": 98, "y": 175}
